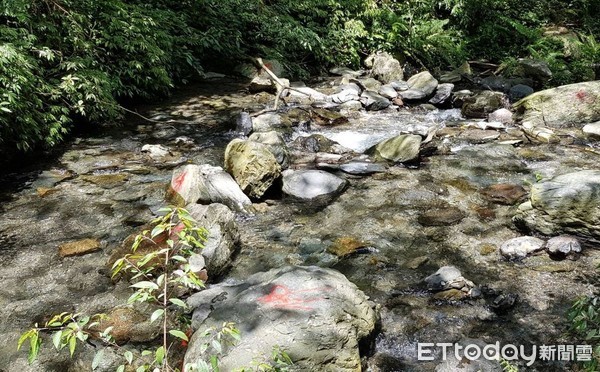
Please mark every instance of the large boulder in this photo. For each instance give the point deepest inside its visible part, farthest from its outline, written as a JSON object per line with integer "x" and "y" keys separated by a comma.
{"x": 205, "y": 184}
{"x": 222, "y": 239}
{"x": 566, "y": 204}
{"x": 386, "y": 68}
{"x": 252, "y": 165}
{"x": 420, "y": 86}
{"x": 571, "y": 105}
{"x": 274, "y": 141}
{"x": 483, "y": 104}
{"x": 315, "y": 315}
{"x": 399, "y": 149}
{"x": 312, "y": 184}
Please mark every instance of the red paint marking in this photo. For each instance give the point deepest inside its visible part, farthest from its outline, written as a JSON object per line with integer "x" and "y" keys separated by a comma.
{"x": 284, "y": 298}
{"x": 581, "y": 95}
{"x": 178, "y": 181}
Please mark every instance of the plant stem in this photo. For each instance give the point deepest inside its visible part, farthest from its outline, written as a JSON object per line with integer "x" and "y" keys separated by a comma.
{"x": 165, "y": 362}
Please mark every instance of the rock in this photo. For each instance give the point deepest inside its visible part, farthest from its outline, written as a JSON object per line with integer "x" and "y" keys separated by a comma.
{"x": 519, "y": 92}
{"x": 312, "y": 184}
{"x": 459, "y": 98}
{"x": 535, "y": 69}
{"x": 592, "y": 129}
{"x": 341, "y": 71}
{"x": 319, "y": 143}
{"x": 412, "y": 95}
{"x": 361, "y": 168}
{"x": 388, "y": 91}
{"x": 386, "y": 68}
{"x": 305, "y": 96}
{"x": 441, "y": 217}
{"x": 223, "y": 237}
{"x": 458, "y": 362}
{"x": 521, "y": 247}
{"x": 243, "y": 123}
{"x": 455, "y": 75}
{"x": 252, "y": 165}
{"x": 399, "y": 149}
{"x": 442, "y": 95}
{"x": 79, "y": 247}
{"x": 479, "y": 136}
{"x": 502, "y": 115}
{"x": 206, "y": 184}
{"x": 373, "y": 101}
{"x": 346, "y": 95}
{"x": 423, "y": 82}
{"x": 370, "y": 84}
{"x": 106, "y": 181}
{"x": 274, "y": 141}
{"x": 351, "y": 106}
{"x": 565, "y": 204}
{"x": 399, "y": 86}
{"x": 271, "y": 121}
{"x": 156, "y": 152}
{"x": 483, "y": 103}
{"x": 571, "y": 105}
{"x": 130, "y": 325}
{"x": 316, "y": 315}
{"x": 448, "y": 277}
{"x": 504, "y": 193}
{"x": 417, "y": 262}
{"x": 327, "y": 117}
{"x": 398, "y": 102}
{"x": 563, "y": 246}
{"x": 345, "y": 246}
{"x": 261, "y": 81}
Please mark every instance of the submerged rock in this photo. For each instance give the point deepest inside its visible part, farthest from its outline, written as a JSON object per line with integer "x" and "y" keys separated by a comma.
{"x": 441, "y": 217}
{"x": 312, "y": 184}
{"x": 565, "y": 204}
{"x": 399, "y": 149}
{"x": 252, "y": 165}
{"x": 521, "y": 247}
{"x": 316, "y": 315}
{"x": 449, "y": 278}
{"x": 504, "y": 193}
{"x": 79, "y": 247}
{"x": 206, "y": 184}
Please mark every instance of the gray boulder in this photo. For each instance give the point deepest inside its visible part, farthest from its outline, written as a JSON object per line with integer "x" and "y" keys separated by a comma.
{"x": 399, "y": 149}
{"x": 315, "y": 315}
{"x": 206, "y": 184}
{"x": 535, "y": 69}
{"x": 563, "y": 246}
{"x": 223, "y": 237}
{"x": 252, "y": 166}
{"x": 373, "y": 101}
{"x": 502, "y": 115}
{"x": 312, "y": 184}
{"x": 388, "y": 91}
{"x": 565, "y": 204}
{"x": 521, "y": 247}
{"x": 448, "y": 277}
{"x": 423, "y": 82}
{"x": 274, "y": 141}
{"x": 243, "y": 123}
{"x": 386, "y": 68}
{"x": 519, "y": 92}
{"x": 442, "y": 95}
{"x": 483, "y": 104}
{"x": 271, "y": 121}
{"x": 571, "y": 105}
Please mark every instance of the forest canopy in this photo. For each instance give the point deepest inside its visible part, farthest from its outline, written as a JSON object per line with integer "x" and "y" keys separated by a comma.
{"x": 75, "y": 61}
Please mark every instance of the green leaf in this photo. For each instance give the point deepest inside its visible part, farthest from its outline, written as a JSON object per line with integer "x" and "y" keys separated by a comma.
{"x": 145, "y": 285}
{"x": 217, "y": 346}
{"x": 128, "y": 356}
{"x": 72, "y": 345}
{"x": 159, "y": 355}
{"x": 23, "y": 338}
{"x": 56, "y": 339}
{"x": 141, "y": 369}
{"x": 157, "y": 230}
{"x": 121, "y": 368}
{"x": 97, "y": 359}
{"x": 178, "y": 302}
{"x": 156, "y": 315}
{"x": 177, "y": 333}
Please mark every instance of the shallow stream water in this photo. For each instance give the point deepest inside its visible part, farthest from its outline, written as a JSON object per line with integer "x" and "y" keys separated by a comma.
{"x": 103, "y": 187}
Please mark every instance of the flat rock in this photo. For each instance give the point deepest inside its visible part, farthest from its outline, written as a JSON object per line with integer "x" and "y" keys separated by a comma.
{"x": 373, "y": 101}
{"x": 504, "y": 193}
{"x": 562, "y": 246}
{"x": 399, "y": 149}
{"x": 271, "y": 121}
{"x": 316, "y": 315}
{"x": 79, "y": 247}
{"x": 312, "y": 184}
{"x": 443, "y": 92}
{"x": 441, "y": 217}
{"x": 521, "y": 247}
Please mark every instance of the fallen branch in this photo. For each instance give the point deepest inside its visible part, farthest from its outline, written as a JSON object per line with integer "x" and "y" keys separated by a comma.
{"x": 281, "y": 87}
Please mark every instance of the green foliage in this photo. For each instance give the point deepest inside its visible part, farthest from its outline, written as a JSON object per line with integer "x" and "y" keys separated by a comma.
{"x": 507, "y": 367}
{"x": 584, "y": 319}
{"x": 278, "y": 361}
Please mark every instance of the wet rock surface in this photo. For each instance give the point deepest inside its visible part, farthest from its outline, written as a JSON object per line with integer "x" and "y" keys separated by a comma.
{"x": 521, "y": 302}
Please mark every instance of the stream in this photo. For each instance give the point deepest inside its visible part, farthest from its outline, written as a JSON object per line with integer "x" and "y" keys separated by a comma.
{"x": 412, "y": 221}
